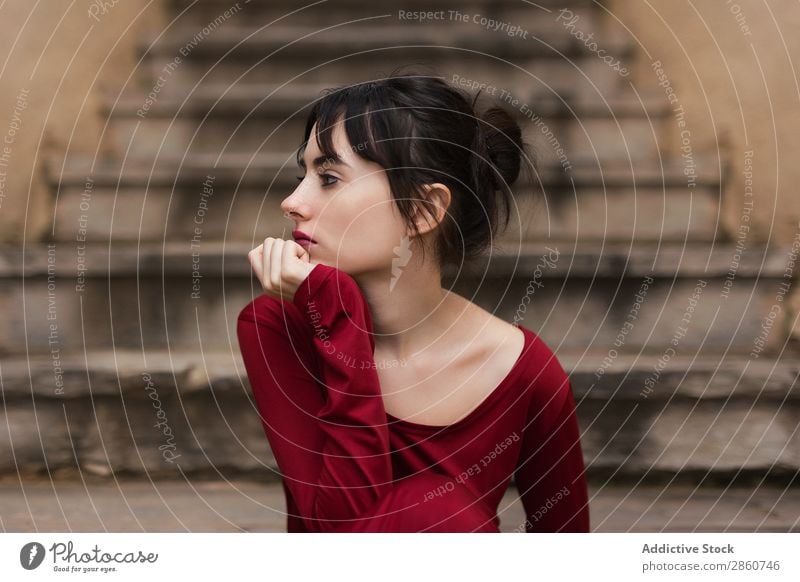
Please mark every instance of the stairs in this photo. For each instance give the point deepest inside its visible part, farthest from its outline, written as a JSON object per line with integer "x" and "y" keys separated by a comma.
{"x": 137, "y": 314}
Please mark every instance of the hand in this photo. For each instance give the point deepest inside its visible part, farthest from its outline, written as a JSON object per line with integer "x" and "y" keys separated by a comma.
{"x": 281, "y": 266}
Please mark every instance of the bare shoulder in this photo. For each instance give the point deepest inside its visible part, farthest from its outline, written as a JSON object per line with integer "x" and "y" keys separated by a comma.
{"x": 495, "y": 332}
{"x": 543, "y": 372}
{"x": 470, "y": 360}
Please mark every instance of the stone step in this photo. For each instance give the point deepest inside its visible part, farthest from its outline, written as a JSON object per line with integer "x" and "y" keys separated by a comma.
{"x": 271, "y": 100}
{"x": 554, "y": 61}
{"x": 590, "y": 202}
{"x": 591, "y": 297}
{"x": 265, "y": 118}
{"x": 83, "y": 503}
{"x": 249, "y": 42}
{"x": 716, "y": 418}
{"x": 713, "y": 377}
{"x": 513, "y": 12}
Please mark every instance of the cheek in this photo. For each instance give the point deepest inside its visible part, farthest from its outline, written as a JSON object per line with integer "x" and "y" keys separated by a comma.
{"x": 368, "y": 203}
{"x": 371, "y": 223}
{"x": 376, "y": 225}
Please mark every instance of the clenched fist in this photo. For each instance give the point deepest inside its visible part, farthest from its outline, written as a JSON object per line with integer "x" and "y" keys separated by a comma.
{"x": 281, "y": 266}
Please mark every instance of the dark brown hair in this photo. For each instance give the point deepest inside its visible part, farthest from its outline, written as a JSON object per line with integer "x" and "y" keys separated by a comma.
{"x": 421, "y": 130}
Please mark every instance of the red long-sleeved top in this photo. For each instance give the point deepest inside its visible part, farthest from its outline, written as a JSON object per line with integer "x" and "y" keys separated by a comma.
{"x": 339, "y": 461}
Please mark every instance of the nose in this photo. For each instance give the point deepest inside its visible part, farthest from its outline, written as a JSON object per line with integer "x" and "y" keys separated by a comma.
{"x": 298, "y": 205}
{"x": 289, "y": 207}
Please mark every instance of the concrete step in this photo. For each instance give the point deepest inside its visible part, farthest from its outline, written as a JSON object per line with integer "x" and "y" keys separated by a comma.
{"x": 590, "y": 202}
{"x": 689, "y": 378}
{"x": 265, "y": 118}
{"x": 718, "y": 418}
{"x": 513, "y": 12}
{"x": 84, "y": 503}
{"x": 553, "y": 61}
{"x": 158, "y": 295}
{"x": 253, "y": 42}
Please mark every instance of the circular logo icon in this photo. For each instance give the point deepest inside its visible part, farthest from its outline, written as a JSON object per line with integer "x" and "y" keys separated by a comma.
{"x": 31, "y": 555}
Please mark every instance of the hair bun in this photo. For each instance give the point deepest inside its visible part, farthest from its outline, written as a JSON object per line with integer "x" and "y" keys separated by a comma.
{"x": 503, "y": 138}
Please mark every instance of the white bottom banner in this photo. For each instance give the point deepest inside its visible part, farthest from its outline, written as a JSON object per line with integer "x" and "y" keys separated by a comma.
{"x": 421, "y": 557}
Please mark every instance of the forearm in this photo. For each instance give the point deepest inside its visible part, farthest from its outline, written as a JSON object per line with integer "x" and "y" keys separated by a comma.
{"x": 552, "y": 480}
{"x": 334, "y": 453}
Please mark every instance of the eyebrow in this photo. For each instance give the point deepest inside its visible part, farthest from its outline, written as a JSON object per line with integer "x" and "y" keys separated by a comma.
{"x": 333, "y": 160}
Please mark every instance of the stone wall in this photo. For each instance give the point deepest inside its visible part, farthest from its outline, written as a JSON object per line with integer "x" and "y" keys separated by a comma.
{"x": 58, "y": 58}
{"x": 734, "y": 68}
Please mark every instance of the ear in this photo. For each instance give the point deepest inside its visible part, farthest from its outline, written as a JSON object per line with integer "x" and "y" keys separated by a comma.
{"x": 429, "y": 213}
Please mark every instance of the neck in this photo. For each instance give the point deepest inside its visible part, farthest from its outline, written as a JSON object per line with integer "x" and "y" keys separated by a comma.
{"x": 410, "y": 315}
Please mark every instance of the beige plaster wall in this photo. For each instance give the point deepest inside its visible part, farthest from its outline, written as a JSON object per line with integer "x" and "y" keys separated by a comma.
{"x": 735, "y": 66}
{"x": 56, "y": 57}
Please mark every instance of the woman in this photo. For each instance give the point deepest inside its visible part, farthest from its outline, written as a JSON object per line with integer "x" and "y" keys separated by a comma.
{"x": 391, "y": 404}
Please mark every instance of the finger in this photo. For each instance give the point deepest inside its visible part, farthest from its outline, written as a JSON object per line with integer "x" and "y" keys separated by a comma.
{"x": 290, "y": 256}
{"x": 266, "y": 282}
{"x": 299, "y": 252}
{"x": 255, "y": 258}
{"x": 275, "y": 263}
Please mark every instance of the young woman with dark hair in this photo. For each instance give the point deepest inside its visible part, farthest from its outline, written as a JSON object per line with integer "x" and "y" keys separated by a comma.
{"x": 390, "y": 403}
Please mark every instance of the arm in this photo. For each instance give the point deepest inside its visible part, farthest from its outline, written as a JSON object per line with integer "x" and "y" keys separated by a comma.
{"x": 337, "y": 464}
{"x": 550, "y": 474}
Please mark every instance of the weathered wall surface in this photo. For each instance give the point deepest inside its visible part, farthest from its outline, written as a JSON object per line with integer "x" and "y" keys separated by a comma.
{"x": 58, "y": 57}
{"x": 734, "y": 69}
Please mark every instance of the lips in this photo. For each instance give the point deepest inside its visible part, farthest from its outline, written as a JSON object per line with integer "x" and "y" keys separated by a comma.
{"x": 300, "y": 237}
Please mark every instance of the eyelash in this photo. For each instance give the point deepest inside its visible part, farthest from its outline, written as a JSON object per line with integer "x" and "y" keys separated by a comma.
{"x": 324, "y": 184}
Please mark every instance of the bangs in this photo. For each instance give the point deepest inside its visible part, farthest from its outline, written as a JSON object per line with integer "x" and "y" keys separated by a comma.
{"x": 367, "y": 122}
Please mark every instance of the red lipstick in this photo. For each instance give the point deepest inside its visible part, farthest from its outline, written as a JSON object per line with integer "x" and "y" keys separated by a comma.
{"x": 302, "y": 238}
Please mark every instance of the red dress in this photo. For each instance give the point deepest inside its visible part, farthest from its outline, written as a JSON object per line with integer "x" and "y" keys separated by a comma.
{"x": 348, "y": 466}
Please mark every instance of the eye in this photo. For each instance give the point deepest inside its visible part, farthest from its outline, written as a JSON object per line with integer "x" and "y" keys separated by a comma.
{"x": 323, "y": 178}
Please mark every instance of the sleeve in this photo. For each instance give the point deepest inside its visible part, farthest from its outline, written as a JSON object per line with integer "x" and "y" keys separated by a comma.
{"x": 550, "y": 473}
{"x": 335, "y": 466}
